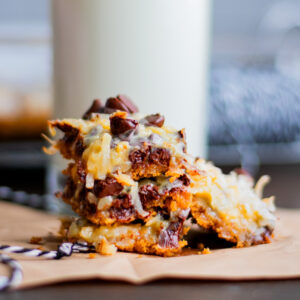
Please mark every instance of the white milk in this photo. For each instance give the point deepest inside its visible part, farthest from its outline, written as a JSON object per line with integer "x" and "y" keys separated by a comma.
{"x": 154, "y": 51}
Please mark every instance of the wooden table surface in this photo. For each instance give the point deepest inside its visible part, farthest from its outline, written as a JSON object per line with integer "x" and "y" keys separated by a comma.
{"x": 285, "y": 185}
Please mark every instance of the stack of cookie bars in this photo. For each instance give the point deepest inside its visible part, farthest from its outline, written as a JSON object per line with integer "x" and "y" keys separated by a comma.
{"x": 133, "y": 184}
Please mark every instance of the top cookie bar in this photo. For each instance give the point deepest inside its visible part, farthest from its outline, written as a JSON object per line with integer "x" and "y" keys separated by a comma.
{"x": 109, "y": 140}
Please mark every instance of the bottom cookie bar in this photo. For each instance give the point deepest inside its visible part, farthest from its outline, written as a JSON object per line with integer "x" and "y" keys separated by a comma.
{"x": 158, "y": 236}
{"x": 232, "y": 206}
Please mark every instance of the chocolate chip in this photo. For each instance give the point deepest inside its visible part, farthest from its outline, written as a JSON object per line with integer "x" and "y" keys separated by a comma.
{"x": 122, "y": 208}
{"x": 122, "y": 201}
{"x": 120, "y": 125}
{"x": 169, "y": 237}
{"x": 155, "y": 120}
{"x": 123, "y": 215}
{"x": 121, "y": 102}
{"x": 160, "y": 156}
{"x": 148, "y": 195}
{"x": 107, "y": 187}
{"x": 96, "y": 107}
{"x": 139, "y": 156}
{"x": 128, "y": 102}
{"x": 64, "y": 127}
{"x": 185, "y": 180}
{"x": 113, "y": 104}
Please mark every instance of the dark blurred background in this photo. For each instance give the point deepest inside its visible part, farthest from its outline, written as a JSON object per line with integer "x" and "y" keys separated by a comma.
{"x": 254, "y": 94}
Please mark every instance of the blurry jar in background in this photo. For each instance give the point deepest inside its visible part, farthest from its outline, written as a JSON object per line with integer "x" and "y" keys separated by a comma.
{"x": 25, "y": 80}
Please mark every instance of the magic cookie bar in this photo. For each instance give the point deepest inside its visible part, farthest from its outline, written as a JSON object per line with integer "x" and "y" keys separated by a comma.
{"x": 157, "y": 236}
{"x": 133, "y": 185}
{"x": 232, "y": 206}
{"x": 119, "y": 199}
{"x": 121, "y": 142}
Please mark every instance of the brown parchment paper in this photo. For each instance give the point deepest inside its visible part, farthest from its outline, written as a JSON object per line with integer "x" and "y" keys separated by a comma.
{"x": 278, "y": 260}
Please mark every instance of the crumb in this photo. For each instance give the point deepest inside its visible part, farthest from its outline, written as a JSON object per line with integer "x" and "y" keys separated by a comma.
{"x": 206, "y": 251}
{"x": 35, "y": 240}
{"x": 92, "y": 255}
{"x": 105, "y": 248}
{"x": 41, "y": 248}
{"x": 139, "y": 256}
{"x": 200, "y": 246}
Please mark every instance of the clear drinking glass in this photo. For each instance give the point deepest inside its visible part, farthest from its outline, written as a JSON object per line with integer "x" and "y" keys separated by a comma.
{"x": 156, "y": 52}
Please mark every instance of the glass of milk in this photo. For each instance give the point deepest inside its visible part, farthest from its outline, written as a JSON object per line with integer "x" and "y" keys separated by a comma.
{"x": 156, "y": 52}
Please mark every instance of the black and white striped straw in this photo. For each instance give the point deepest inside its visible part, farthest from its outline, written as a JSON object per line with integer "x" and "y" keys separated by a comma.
{"x": 16, "y": 274}
{"x": 65, "y": 249}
